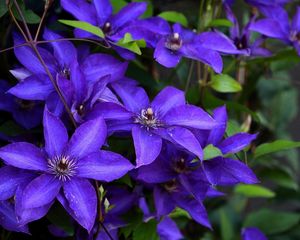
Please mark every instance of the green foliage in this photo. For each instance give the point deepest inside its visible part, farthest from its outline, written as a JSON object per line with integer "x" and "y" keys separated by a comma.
{"x": 84, "y": 26}
{"x": 132, "y": 45}
{"x": 220, "y": 22}
{"x": 145, "y": 231}
{"x": 225, "y": 84}
{"x": 251, "y": 191}
{"x": 211, "y": 151}
{"x": 3, "y": 8}
{"x": 276, "y": 146}
{"x": 29, "y": 15}
{"x": 175, "y": 17}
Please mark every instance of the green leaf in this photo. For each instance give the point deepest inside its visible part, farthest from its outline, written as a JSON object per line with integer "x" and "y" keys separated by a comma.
{"x": 251, "y": 191}
{"x": 179, "y": 212}
{"x": 118, "y": 5}
{"x": 226, "y": 226}
{"x": 225, "y": 84}
{"x": 3, "y": 7}
{"x": 130, "y": 44}
{"x": 280, "y": 177}
{"x": 84, "y": 26}
{"x": 29, "y": 15}
{"x": 211, "y": 151}
{"x": 220, "y": 22}
{"x": 175, "y": 17}
{"x": 272, "y": 222}
{"x": 276, "y": 146}
{"x": 145, "y": 231}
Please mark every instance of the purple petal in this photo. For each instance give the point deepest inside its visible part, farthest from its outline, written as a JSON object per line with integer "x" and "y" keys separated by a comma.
{"x": 35, "y": 87}
{"x": 236, "y": 143}
{"x": 10, "y": 179}
{"x": 225, "y": 171}
{"x": 159, "y": 171}
{"x": 134, "y": 98}
{"x": 234, "y": 30}
{"x": 127, "y": 14}
{"x": 145, "y": 209}
{"x": 8, "y": 219}
{"x": 81, "y": 10}
{"x": 163, "y": 202}
{"x": 166, "y": 57}
{"x": 195, "y": 208}
{"x": 296, "y": 21}
{"x": 20, "y": 73}
{"x": 147, "y": 145}
{"x": 190, "y": 116}
{"x": 268, "y": 27}
{"x": 88, "y": 138}
{"x": 168, "y": 230}
{"x": 41, "y": 191}
{"x": 64, "y": 51}
{"x": 98, "y": 65}
{"x": 55, "y": 133}
{"x": 104, "y": 10}
{"x": 78, "y": 82}
{"x": 186, "y": 139}
{"x": 103, "y": 166}
{"x": 252, "y": 233}
{"x": 82, "y": 199}
{"x": 167, "y": 99}
{"x": 217, "y": 133}
{"x": 207, "y": 56}
{"x": 109, "y": 111}
{"x": 24, "y": 155}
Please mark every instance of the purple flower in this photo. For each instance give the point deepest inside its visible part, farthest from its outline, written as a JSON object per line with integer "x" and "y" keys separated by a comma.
{"x": 251, "y": 233}
{"x": 100, "y": 13}
{"x": 25, "y": 112}
{"x": 242, "y": 39}
{"x": 168, "y": 230}
{"x": 277, "y": 25}
{"x": 67, "y": 165}
{"x": 166, "y": 117}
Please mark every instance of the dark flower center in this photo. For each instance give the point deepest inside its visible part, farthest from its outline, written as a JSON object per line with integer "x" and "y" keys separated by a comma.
{"x": 63, "y": 167}
{"x": 106, "y": 28}
{"x": 241, "y": 43}
{"x": 180, "y": 166}
{"x": 80, "y": 110}
{"x": 295, "y": 37}
{"x": 174, "y": 42}
{"x": 66, "y": 72}
{"x": 171, "y": 186}
{"x": 148, "y": 119}
{"x": 25, "y": 104}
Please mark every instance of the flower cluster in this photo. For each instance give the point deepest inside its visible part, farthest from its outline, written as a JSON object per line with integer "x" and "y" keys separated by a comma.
{"x": 168, "y": 134}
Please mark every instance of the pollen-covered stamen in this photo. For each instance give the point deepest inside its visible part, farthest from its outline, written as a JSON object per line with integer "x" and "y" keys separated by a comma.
{"x": 148, "y": 119}
{"x": 63, "y": 167}
{"x": 174, "y": 42}
{"x": 106, "y": 28}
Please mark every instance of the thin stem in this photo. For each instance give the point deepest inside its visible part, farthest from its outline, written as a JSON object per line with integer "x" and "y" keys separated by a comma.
{"x": 11, "y": 48}
{"x": 41, "y": 23}
{"x": 189, "y": 76}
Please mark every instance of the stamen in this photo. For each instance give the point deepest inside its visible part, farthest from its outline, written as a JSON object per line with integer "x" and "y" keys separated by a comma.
{"x": 148, "y": 119}
{"x": 174, "y": 42}
{"x": 106, "y": 28}
{"x": 63, "y": 167}
{"x": 66, "y": 72}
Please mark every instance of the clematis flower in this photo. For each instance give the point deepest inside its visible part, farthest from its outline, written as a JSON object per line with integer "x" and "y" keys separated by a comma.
{"x": 166, "y": 117}
{"x": 277, "y": 25}
{"x": 25, "y": 112}
{"x": 67, "y": 166}
{"x": 100, "y": 13}
{"x": 251, "y": 233}
{"x": 242, "y": 39}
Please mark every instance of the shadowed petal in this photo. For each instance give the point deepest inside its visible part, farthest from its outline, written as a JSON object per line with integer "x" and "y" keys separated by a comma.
{"x": 82, "y": 200}
{"x": 190, "y": 116}
{"x": 252, "y": 233}
{"x": 168, "y": 98}
{"x": 236, "y": 143}
{"x": 104, "y": 10}
{"x": 34, "y": 87}
{"x": 24, "y": 155}
{"x": 165, "y": 56}
{"x": 129, "y": 13}
{"x": 225, "y": 171}
{"x": 217, "y": 133}
{"x": 168, "y": 230}
{"x": 134, "y": 98}
{"x": 103, "y": 166}
{"x": 147, "y": 145}
{"x": 296, "y": 21}
{"x": 41, "y": 191}
{"x": 98, "y": 65}
{"x": 163, "y": 202}
{"x": 55, "y": 134}
{"x": 64, "y": 51}
{"x": 81, "y": 10}
{"x": 88, "y": 138}
{"x": 186, "y": 139}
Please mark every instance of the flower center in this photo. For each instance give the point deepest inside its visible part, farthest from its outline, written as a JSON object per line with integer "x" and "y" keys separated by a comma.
{"x": 66, "y": 72}
{"x": 295, "y": 37}
{"x": 63, "y": 167}
{"x": 148, "y": 119}
{"x": 80, "y": 110}
{"x": 174, "y": 42}
{"x": 170, "y": 186}
{"x": 25, "y": 104}
{"x": 241, "y": 43}
{"x": 180, "y": 166}
{"x": 106, "y": 28}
